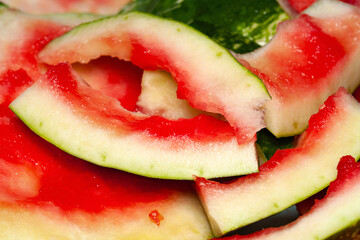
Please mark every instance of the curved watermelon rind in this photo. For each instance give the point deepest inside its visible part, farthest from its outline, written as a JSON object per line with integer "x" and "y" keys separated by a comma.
{"x": 210, "y": 77}
{"x": 43, "y": 110}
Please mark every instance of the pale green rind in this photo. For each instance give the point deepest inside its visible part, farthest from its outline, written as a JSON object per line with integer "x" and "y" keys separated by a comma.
{"x": 216, "y": 81}
{"x": 137, "y": 152}
{"x": 306, "y": 172}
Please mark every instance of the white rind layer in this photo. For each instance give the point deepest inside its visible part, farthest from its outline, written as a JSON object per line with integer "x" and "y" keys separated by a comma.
{"x": 215, "y": 81}
{"x": 137, "y": 152}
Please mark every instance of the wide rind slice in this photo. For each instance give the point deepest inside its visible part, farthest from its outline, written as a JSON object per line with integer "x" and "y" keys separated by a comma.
{"x": 309, "y": 58}
{"x": 94, "y": 127}
{"x": 291, "y": 175}
{"x": 330, "y": 216}
{"x": 208, "y": 76}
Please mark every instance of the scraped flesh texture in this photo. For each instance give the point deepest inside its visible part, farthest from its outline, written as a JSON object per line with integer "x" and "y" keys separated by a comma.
{"x": 46, "y": 193}
{"x": 303, "y": 65}
{"x": 214, "y": 89}
{"x": 62, "y": 6}
{"x": 128, "y": 140}
{"x": 332, "y": 133}
{"x": 337, "y": 211}
{"x": 22, "y": 37}
{"x": 115, "y": 78}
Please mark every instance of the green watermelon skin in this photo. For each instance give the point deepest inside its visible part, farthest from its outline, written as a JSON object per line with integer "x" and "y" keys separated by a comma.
{"x": 308, "y": 59}
{"x": 332, "y": 133}
{"x": 330, "y": 217}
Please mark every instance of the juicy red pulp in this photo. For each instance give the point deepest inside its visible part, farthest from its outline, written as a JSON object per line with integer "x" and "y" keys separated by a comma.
{"x": 118, "y": 79}
{"x": 106, "y": 112}
{"x": 37, "y": 36}
{"x": 65, "y": 181}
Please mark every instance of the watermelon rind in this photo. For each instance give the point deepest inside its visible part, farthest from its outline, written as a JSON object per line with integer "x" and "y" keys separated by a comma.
{"x": 211, "y": 78}
{"x": 288, "y": 114}
{"x": 291, "y": 175}
{"x": 336, "y": 216}
{"x": 172, "y": 157}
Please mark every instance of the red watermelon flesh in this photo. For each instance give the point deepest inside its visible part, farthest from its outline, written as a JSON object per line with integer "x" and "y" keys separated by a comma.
{"x": 307, "y": 61}
{"x": 301, "y": 5}
{"x": 62, "y": 6}
{"x": 41, "y": 183}
{"x": 114, "y": 77}
{"x": 346, "y": 182}
{"x": 22, "y": 38}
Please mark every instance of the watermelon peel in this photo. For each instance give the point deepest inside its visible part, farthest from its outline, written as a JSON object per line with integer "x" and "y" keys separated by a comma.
{"x": 227, "y": 88}
{"x": 256, "y": 196}
{"x": 335, "y": 216}
{"x": 111, "y": 135}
